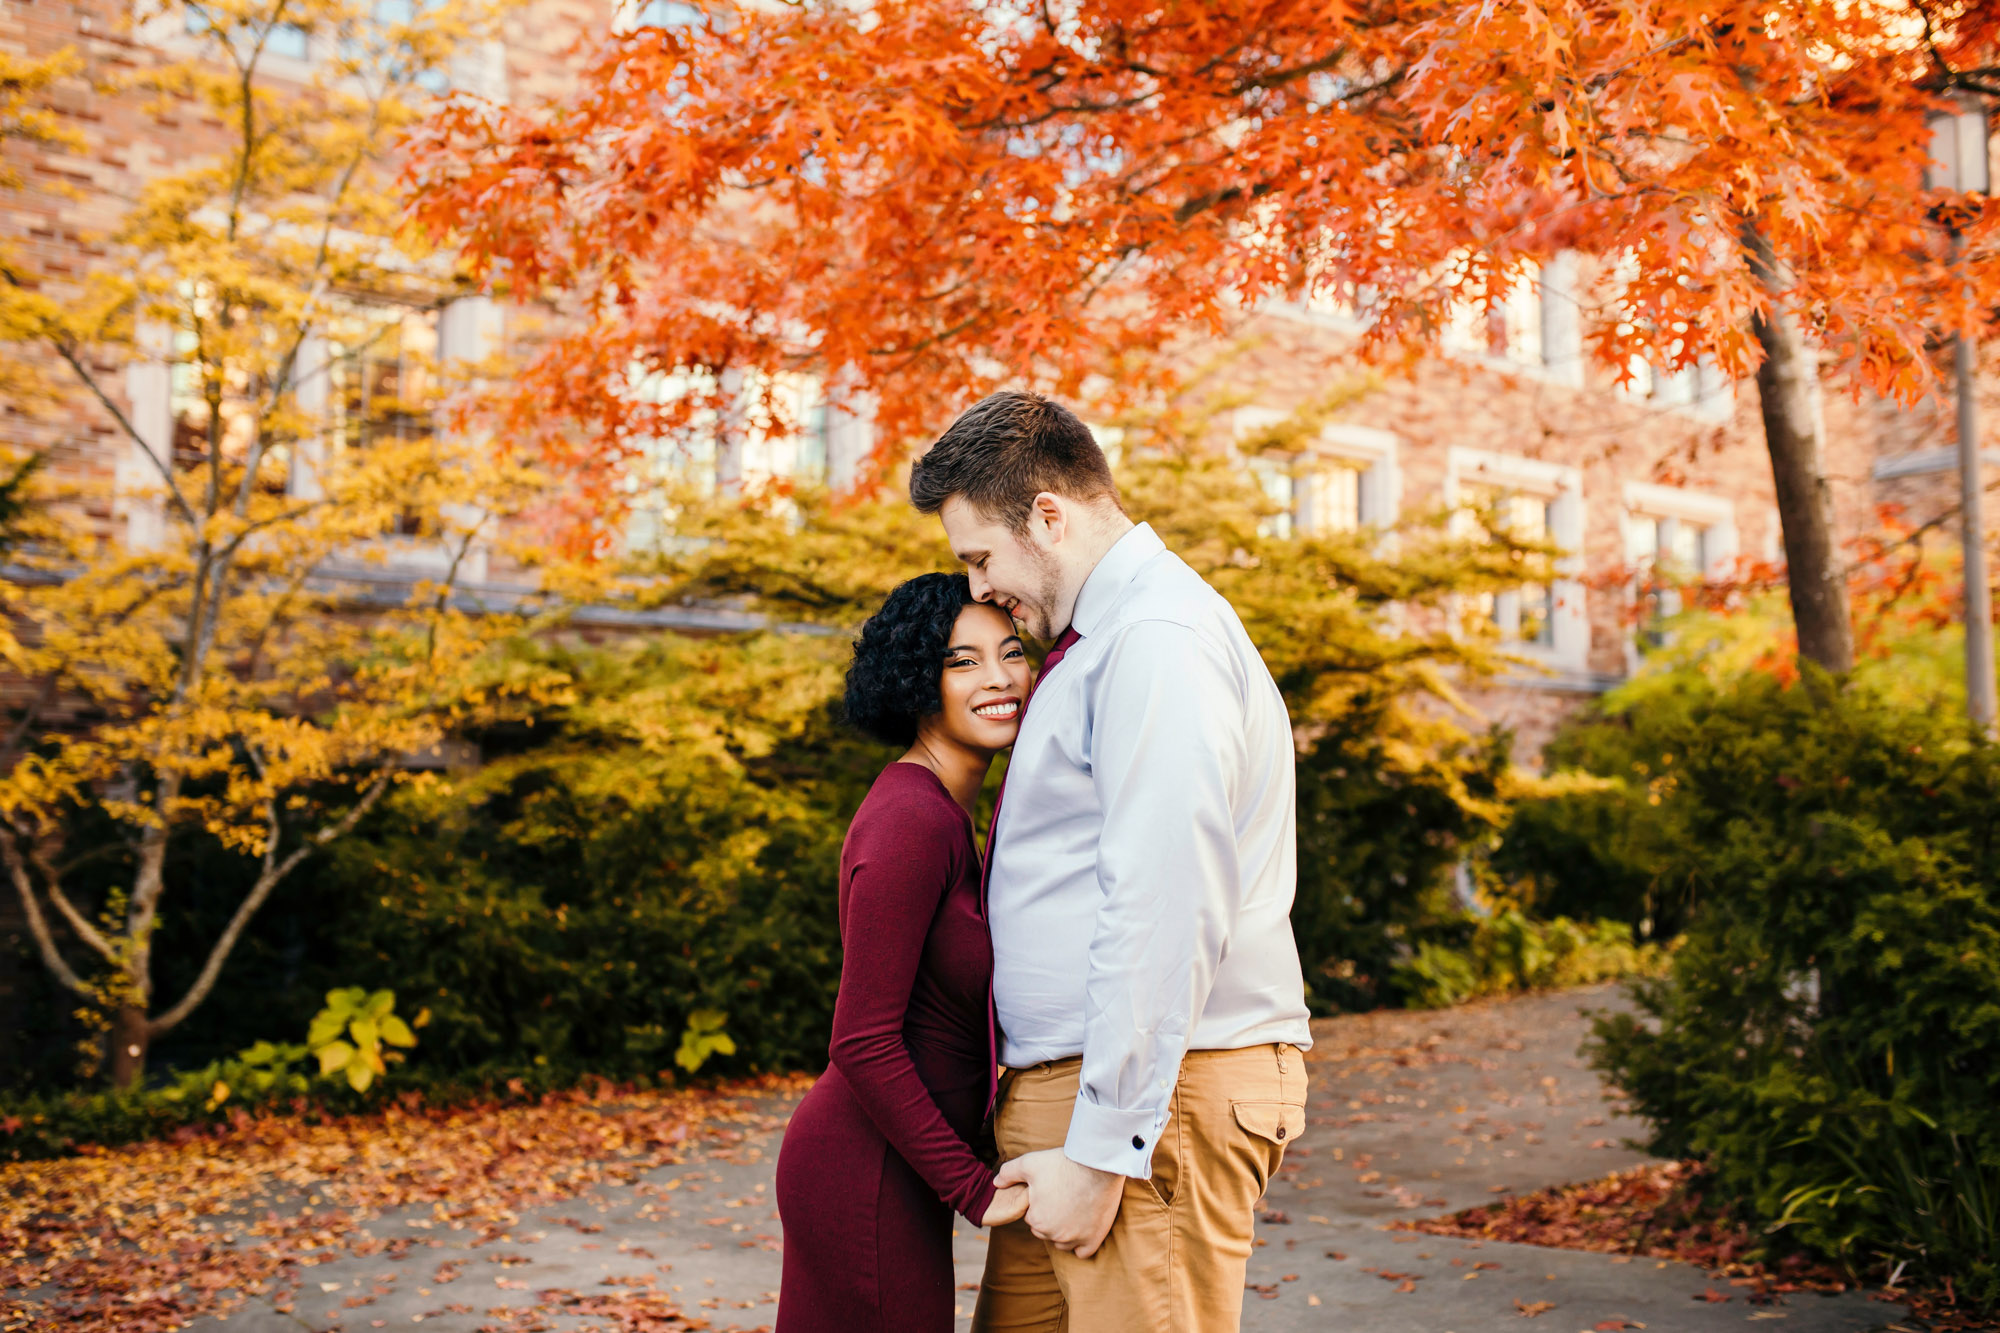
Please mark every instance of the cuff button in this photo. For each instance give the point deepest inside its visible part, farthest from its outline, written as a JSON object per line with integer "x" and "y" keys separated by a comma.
{"x": 1138, "y": 1143}
{"x": 1281, "y": 1131}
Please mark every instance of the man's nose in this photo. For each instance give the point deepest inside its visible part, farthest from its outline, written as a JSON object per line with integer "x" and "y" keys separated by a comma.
{"x": 982, "y": 589}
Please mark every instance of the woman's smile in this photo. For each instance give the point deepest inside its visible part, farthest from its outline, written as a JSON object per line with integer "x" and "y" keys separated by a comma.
{"x": 1000, "y": 710}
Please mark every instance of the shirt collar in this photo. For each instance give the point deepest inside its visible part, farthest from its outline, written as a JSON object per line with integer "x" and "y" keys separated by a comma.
{"x": 1114, "y": 572}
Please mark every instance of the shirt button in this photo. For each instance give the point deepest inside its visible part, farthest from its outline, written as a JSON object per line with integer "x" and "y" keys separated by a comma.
{"x": 1138, "y": 1142}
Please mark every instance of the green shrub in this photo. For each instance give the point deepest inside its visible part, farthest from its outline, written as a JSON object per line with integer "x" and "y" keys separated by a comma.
{"x": 1508, "y": 952}
{"x": 1828, "y": 1037}
{"x": 345, "y": 1040}
{"x": 626, "y": 868}
{"x": 1379, "y": 840}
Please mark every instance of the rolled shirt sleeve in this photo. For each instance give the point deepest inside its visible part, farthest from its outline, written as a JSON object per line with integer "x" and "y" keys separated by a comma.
{"x": 1166, "y": 754}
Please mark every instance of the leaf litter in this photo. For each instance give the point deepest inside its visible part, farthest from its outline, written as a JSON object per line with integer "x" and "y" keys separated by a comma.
{"x": 145, "y": 1238}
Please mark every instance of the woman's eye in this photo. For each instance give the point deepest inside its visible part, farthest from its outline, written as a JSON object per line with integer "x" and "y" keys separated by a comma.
{"x": 963, "y": 661}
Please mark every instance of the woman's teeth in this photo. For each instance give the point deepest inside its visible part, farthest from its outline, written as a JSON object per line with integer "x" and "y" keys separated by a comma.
{"x": 999, "y": 710}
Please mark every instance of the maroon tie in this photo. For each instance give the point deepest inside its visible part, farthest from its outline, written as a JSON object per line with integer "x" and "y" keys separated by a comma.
{"x": 1064, "y": 642}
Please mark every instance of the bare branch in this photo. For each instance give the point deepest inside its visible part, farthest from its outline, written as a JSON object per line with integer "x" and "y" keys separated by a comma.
{"x": 267, "y": 881}
{"x": 69, "y": 354}
{"x": 38, "y": 926}
{"x": 78, "y": 922}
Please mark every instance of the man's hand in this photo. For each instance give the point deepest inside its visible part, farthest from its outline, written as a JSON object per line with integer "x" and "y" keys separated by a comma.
{"x": 1071, "y": 1206}
{"x": 1009, "y": 1204}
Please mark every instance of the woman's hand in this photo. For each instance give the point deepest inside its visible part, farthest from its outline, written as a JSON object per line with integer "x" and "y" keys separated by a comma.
{"x": 1009, "y": 1205}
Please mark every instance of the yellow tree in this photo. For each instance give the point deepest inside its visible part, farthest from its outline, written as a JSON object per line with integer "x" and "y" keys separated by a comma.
{"x": 279, "y": 619}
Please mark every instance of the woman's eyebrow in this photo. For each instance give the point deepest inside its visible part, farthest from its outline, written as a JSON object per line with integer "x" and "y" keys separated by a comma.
{"x": 962, "y": 648}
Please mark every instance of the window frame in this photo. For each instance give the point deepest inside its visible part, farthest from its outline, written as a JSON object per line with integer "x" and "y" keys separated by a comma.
{"x": 1560, "y": 486}
{"x": 1652, "y": 503}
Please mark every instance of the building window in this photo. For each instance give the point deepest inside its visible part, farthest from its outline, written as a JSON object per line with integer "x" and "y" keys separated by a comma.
{"x": 1333, "y": 498}
{"x": 1274, "y": 477}
{"x": 1530, "y": 501}
{"x": 1316, "y": 496}
{"x": 1673, "y": 537}
{"x": 288, "y": 40}
{"x": 1525, "y": 614}
{"x": 1344, "y": 480}
{"x": 633, "y": 15}
{"x": 380, "y": 375}
{"x": 381, "y": 381}
{"x": 810, "y": 457}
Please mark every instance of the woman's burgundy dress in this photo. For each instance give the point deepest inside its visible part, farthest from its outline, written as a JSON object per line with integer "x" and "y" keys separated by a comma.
{"x": 876, "y": 1158}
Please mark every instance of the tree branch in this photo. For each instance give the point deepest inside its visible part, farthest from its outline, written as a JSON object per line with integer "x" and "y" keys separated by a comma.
{"x": 68, "y": 354}
{"x": 38, "y": 926}
{"x": 267, "y": 881}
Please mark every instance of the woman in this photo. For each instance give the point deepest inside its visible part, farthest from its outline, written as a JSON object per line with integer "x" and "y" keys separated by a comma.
{"x": 878, "y": 1155}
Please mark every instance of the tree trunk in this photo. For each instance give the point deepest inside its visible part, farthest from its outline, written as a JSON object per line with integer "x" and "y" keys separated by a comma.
{"x": 1795, "y": 434}
{"x": 129, "y": 1036}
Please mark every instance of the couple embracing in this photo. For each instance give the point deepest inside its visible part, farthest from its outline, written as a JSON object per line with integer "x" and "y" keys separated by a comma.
{"x": 1122, "y": 956}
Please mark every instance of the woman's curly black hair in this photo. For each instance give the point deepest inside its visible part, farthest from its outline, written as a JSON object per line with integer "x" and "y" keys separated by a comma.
{"x": 899, "y": 658}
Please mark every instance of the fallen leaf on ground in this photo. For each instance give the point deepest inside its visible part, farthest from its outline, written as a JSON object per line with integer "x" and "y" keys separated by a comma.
{"x": 301, "y": 1190}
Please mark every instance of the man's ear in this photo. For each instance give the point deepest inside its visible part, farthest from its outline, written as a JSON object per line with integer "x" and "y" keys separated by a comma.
{"x": 1048, "y": 516}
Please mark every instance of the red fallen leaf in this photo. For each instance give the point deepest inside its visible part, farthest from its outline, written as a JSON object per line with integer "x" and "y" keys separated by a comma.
{"x": 1289, "y": 1277}
{"x": 1712, "y": 1296}
{"x": 1533, "y": 1309}
{"x": 1274, "y": 1218}
{"x": 1615, "y": 1325}
{"x": 1408, "y": 1286}
{"x": 1335, "y": 1254}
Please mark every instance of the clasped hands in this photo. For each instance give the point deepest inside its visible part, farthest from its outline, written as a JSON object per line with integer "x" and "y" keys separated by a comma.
{"x": 1067, "y": 1204}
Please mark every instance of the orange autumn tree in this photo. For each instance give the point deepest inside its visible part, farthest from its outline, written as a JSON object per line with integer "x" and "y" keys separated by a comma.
{"x": 918, "y": 200}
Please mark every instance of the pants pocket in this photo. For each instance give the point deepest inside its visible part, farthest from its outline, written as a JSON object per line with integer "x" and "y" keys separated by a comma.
{"x": 1270, "y": 1126}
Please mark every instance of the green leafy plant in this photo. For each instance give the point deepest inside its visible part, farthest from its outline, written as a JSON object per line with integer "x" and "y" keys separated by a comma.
{"x": 354, "y": 1034}
{"x": 1510, "y": 952}
{"x": 257, "y": 1073}
{"x": 704, "y": 1037}
{"x": 1828, "y": 1036}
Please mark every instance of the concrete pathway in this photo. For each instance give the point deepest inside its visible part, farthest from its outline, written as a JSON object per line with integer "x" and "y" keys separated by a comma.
{"x": 1413, "y": 1115}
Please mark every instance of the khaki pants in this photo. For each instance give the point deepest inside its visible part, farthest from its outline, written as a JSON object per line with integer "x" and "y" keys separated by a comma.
{"x": 1174, "y": 1261}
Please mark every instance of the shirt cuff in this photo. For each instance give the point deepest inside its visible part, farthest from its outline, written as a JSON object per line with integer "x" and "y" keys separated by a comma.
{"x": 1109, "y": 1139}
{"x": 979, "y": 1200}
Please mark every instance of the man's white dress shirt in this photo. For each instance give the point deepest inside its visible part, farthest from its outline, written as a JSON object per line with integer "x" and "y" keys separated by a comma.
{"x": 1144, "y": 855}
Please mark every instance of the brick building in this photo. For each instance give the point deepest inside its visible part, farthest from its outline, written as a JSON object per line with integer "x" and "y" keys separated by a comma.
{"x": 1670, "y": 468}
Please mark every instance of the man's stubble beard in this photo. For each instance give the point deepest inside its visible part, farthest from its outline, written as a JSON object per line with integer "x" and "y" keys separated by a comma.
{"x": 1047, "y": 596}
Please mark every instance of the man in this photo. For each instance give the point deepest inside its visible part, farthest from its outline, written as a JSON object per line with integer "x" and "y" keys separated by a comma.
{"x": 1140, "y": 877}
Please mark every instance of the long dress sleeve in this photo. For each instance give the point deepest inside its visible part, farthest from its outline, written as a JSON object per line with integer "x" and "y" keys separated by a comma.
{"x": 901, "y": 871}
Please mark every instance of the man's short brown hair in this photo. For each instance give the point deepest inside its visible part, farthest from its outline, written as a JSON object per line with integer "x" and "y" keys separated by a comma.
{"x": 1005, "y": 450}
